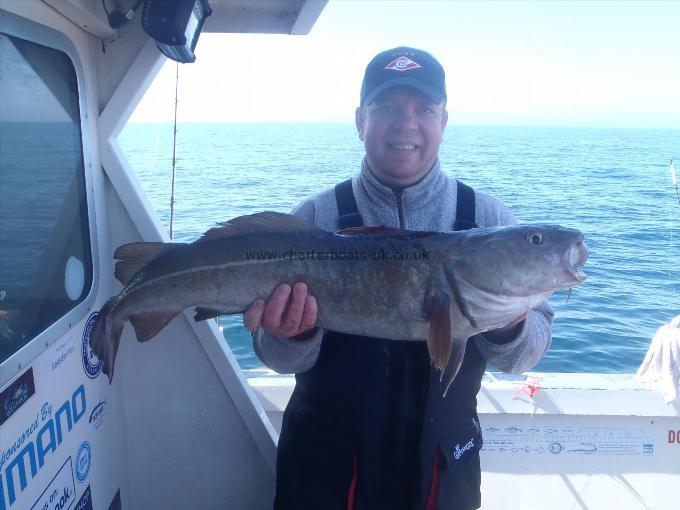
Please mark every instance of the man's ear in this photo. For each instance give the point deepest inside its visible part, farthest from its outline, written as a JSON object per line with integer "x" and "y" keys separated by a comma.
{"x": 445, "y": 119}
{"x": 359, "y": 118}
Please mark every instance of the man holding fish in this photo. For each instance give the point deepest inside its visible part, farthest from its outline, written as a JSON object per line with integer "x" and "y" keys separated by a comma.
{"x": 368, "y": 426}
{"x": 413, "y": 300}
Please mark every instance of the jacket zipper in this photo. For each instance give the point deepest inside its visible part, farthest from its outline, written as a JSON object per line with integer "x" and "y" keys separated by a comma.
{"x": 400, "y": 207}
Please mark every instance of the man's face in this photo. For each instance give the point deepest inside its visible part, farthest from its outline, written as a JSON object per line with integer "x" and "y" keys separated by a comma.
{"x": 401, "y": 130}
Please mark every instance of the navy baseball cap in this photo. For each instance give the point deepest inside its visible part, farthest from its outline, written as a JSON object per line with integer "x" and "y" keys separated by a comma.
{"x": 404, "y": 66}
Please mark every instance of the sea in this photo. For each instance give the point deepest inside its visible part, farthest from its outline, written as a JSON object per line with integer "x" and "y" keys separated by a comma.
{"x": 615, "y": 185}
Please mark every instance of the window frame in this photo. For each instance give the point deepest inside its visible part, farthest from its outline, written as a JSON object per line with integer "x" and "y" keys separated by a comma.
{"x": 30, "y": 31}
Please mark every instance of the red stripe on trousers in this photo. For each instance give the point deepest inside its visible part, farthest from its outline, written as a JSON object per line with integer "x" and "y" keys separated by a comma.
{"x": 434, "y": 488}
{"x": 431, "y": 498}
{"x": 353, "y": 485}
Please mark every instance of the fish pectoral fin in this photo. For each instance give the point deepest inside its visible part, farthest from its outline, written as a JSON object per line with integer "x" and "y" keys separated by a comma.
{"x": 203, "y": 313}
{"x": 148, "y": 324}
{"x": 455, "y": 361}
{"x": 439, "y": 334}
{"x": 133, "y": 257}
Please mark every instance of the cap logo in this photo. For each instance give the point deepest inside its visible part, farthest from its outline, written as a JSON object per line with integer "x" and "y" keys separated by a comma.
{"x": 402, "y": 64}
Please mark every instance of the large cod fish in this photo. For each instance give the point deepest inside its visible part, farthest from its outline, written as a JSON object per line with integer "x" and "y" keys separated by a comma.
{"x": 437, "y": 287}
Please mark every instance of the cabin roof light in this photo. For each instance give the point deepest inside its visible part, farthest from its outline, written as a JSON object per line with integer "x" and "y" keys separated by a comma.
{"x": 175, "y": 26}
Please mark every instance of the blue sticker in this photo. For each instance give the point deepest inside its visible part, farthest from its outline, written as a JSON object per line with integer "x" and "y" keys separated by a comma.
{"x": 115, "y": 503}
{"x": 555, "y": 448}
{"x": 83, "y": 461}
{"x": 16, "y": 395}
{"x": 85, "y": 501}
{"x": 97, "y": 415}
{"x": 91, "y": 364}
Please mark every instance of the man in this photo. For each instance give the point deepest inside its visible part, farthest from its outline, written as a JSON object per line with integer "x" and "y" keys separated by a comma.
{"x": 367, "y": 426}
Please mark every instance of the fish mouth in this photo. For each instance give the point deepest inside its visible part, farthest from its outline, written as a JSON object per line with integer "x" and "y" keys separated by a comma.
{"x": 573, "y": 261}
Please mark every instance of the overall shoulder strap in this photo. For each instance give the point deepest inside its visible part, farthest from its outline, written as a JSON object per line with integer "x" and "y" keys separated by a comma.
{"x": 348, "y": 212}
{"x": 465, "y": 207}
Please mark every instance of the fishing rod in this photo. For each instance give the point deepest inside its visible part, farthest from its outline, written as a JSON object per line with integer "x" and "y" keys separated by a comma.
{"x": 174, "y": 146}
{"x": 675, "y": 181}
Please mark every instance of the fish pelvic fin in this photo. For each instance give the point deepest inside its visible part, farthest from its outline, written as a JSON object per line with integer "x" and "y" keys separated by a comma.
{"x": 439, "y": 334}
{"x": 264, "y": 222}
{"x": 453, "y": 366}
{"x": 133, "y": 257}
{"x": 148, "y": 324}
{"x": 203, "y": 313}
{"x": 105, "y": 338}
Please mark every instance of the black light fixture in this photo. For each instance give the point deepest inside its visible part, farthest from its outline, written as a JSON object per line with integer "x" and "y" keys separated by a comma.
{"x": 175, "y": 26}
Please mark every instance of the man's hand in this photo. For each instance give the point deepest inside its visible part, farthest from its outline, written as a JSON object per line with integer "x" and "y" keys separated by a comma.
{"x": 287, "y": 313}
{"x": 508, "y": 332}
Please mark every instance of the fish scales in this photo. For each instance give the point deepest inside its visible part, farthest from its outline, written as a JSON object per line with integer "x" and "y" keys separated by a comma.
{"x": 386, "y": 275}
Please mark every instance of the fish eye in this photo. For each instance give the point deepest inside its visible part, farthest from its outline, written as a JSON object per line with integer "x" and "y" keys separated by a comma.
{"x": 535, "y": 237}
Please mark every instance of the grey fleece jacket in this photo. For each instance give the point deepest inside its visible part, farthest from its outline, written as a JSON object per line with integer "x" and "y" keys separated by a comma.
{"x": 428, "y": 205}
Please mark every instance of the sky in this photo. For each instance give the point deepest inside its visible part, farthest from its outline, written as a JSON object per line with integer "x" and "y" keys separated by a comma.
{"x": 577, "y": 63}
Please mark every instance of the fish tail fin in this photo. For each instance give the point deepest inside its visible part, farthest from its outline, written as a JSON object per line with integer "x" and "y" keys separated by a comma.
{"x": 105, "y": 338}
{"x": 455, "y": 361}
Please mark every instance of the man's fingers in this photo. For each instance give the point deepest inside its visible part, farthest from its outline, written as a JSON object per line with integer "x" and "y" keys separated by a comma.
{"x": 252, "y": 318}
{"x": 309, "y": 316}
{"x": 274, "y": 308}
{"x": 290, "y": 325}
{"x": 287, "y": 313}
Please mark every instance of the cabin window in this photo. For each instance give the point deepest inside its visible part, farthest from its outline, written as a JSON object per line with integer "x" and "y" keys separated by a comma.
{"x": 45, "y": 256}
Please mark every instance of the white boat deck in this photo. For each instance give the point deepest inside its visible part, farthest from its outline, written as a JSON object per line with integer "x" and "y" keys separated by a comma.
{"x": 594, "y": 441}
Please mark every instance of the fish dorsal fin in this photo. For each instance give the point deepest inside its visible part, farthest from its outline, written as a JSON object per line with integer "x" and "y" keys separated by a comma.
{"x": 264, "y": 222}
{"x": 133, "y": 257}
{"x": 148, "y": 324}
{"x": 384, "y": 231}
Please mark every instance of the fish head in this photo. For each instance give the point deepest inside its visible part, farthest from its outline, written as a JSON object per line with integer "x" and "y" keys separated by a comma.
{"x": 521, "y": 260}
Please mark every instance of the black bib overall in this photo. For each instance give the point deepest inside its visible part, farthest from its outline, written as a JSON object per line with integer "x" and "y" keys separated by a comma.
{"x": 367, "y": 428}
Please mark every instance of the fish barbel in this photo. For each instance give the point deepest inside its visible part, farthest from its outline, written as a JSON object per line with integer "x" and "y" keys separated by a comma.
{"x": 433, "y": 286}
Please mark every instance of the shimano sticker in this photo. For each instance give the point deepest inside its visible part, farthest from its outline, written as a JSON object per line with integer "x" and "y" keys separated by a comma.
{"x": 43, "y": 436}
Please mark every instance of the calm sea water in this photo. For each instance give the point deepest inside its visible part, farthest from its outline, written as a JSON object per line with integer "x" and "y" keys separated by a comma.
{"x": 613, "y": 184}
